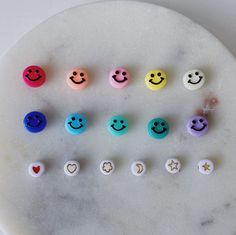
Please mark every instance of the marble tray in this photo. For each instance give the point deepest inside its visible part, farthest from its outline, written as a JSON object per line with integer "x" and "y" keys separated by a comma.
{"x": 99, "y": 37}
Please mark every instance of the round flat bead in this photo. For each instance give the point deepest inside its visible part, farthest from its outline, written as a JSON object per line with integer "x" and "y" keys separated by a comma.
{"x": 197, "y": 126}
{"x": 118, "y": 125}
{"x": 205, "y": 166}
{"x": 158, "y": 128}
{"x": 76, "y": 124}
{"x": 34, "y": 76}
{"x": 107, "y": 167}
{"x": 119, "y": 78}
{"x": 71, "y": 168}
{"x": 173, "y": 165}
{"x": 194, "y": 79}
{"x": 138, "y": 168}
{"x": 155, "y": 79}
{"x": 35, "y": 121}
{"x": 77, "y": 79}
{"x": 36, "y": 169}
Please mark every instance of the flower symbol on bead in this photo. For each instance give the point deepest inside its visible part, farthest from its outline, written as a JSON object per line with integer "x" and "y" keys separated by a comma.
{"x": 107, "y": 167}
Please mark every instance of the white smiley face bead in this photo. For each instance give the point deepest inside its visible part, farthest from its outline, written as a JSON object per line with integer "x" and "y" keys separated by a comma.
{"x": 138, "y": 168}
{"x": 194, "y": 79}
{"x": 173, "y": 165}
{"x": 205, "y": 166}
{"x": 71, "y": 168}
{"x": 107, "y": 167}
{"x": 36, "y": 169}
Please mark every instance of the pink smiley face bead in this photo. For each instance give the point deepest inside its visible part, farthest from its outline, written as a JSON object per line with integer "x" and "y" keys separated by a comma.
{"x": 34, "y": 76}
{"x": 77, "y": 79}
{"x": 119, "y": 78}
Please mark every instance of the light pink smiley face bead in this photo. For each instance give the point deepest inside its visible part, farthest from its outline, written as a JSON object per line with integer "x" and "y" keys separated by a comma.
{"x": 119, "y": 78}
{"x": 77, "y": 79}
{"x": 34, "y": 76}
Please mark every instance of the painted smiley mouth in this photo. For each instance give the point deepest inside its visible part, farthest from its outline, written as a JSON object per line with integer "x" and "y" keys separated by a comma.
{"x": 201, "y": 129}
{"x": 119, "y": 81}
{"x": 33, "y": 80}
{"x": 75, "y": 128}
{"x": 75, "y": 82}
{"x": 194, "y": 83}
{"x": 116, "y": 129}
{"x": 33, "y": 126}
{"x": 156, "y": 83}
{"x": 159, "y": 132}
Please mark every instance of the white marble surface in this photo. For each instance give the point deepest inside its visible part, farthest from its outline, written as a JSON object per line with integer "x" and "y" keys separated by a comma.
{"x": 99, "y": 37}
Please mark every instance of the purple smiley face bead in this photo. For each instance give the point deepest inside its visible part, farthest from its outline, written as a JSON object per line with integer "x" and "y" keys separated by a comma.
{"x": 197, "y": 126}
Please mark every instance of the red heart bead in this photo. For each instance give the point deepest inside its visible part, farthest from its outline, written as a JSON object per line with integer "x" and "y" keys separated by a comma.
{"x": 36, "y": 169}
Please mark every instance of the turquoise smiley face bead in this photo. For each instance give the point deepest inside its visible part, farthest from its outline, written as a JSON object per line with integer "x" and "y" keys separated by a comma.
{"x": 75, "y": 124}
{"x": 117, "y": 125}
{"x": 158, "y": 128}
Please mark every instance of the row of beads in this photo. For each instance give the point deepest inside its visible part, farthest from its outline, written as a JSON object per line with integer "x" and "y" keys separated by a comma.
{"x": 77, "y": 79}
{"x": 107, "y": 167}
{"x": 76, "y": 124}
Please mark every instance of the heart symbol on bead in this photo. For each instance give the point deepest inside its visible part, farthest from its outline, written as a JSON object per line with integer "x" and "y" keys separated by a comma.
{"x": 71, "y": 168}
{"x": 36, "y": 169}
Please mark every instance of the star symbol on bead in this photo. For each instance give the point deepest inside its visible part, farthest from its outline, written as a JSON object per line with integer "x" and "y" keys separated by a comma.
{"x": 206, "y": 167}
{"x": 173, "y": 165}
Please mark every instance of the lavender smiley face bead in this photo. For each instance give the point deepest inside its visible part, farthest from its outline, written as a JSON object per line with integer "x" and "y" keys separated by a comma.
{"x": 197, "y": 126}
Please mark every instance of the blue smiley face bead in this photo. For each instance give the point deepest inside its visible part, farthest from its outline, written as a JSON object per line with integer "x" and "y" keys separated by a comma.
{"x": 117, "y": 125}
{"x": 35, "y": 122}
{"x": 75, "y": 124}
{"x": 158, "y": 128}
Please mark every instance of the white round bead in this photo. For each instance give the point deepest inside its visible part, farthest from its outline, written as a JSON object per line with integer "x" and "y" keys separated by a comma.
{"x": 71, "y": 168}
{"x": 194, "y": 79}
{"x": 36, "y": 169}
{"x": 205, "y": 166}
{"x": 173, "y": 165}
{"x": 138, "y": 168}
{"x": 107, "y": 167}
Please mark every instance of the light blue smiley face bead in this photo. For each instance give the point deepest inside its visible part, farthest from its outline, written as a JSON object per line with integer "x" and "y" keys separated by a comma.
{"x": 117, "y": 125}
{"x": 75, "y": 124}
{"x": 158, "y": 128}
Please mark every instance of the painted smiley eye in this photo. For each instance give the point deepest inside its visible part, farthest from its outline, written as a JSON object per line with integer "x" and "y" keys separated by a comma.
{"x": 74, "y": 73}
{"x": 29, "y": 118}
{"x": 124, "y": 73}
{"x": 73, "y": 118}
{"x": 155, "y": 123}
{"x": 159, "y": 74}
{"x": 80, "y": 120}
{"x": 81, "y": 74}
{"x": 152, "y": 75}
{"x": 37, "y": 71}
{"x": 29, "y": 70}
{"x": 194, "y": 121}
{"x": 115, "y": 121}
{"x": 163, "y": 124}
{"x": 121, "y": 121}
{"x": 36, "y": 116}
{"x": 196, "y": 73}
{"x": 201, "y": 120}
{"x": 117, "y": 72}
{"x": 190, "y": 75}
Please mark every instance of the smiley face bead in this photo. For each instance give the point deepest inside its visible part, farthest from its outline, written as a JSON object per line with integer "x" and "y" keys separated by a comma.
{"x": 35, "y": 121}
{"x": 155, "y": 79}
{"x": 117, "y": 125}
{"x": 194, "y": 79}
{"x": 119, "y": 78}
{"x": 197, "y": 126}
{"x": 76, "y": 124}
{"x": 77, "y": 79}
{"x": 34, "y": 76}
{"x": 158, "y": 128}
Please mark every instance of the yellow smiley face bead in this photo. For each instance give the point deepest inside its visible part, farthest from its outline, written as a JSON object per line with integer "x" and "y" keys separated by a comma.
{"x": 155, "y": 79}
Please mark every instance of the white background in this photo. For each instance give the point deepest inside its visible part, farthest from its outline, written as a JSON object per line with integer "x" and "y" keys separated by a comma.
{"x": 19, "y": 17}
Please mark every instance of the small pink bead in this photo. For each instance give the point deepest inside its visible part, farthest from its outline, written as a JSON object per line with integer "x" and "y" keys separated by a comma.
{"x": 77, "y": 79}
{"x": 119, "y": 78}
{"x": 34, "y": 76}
